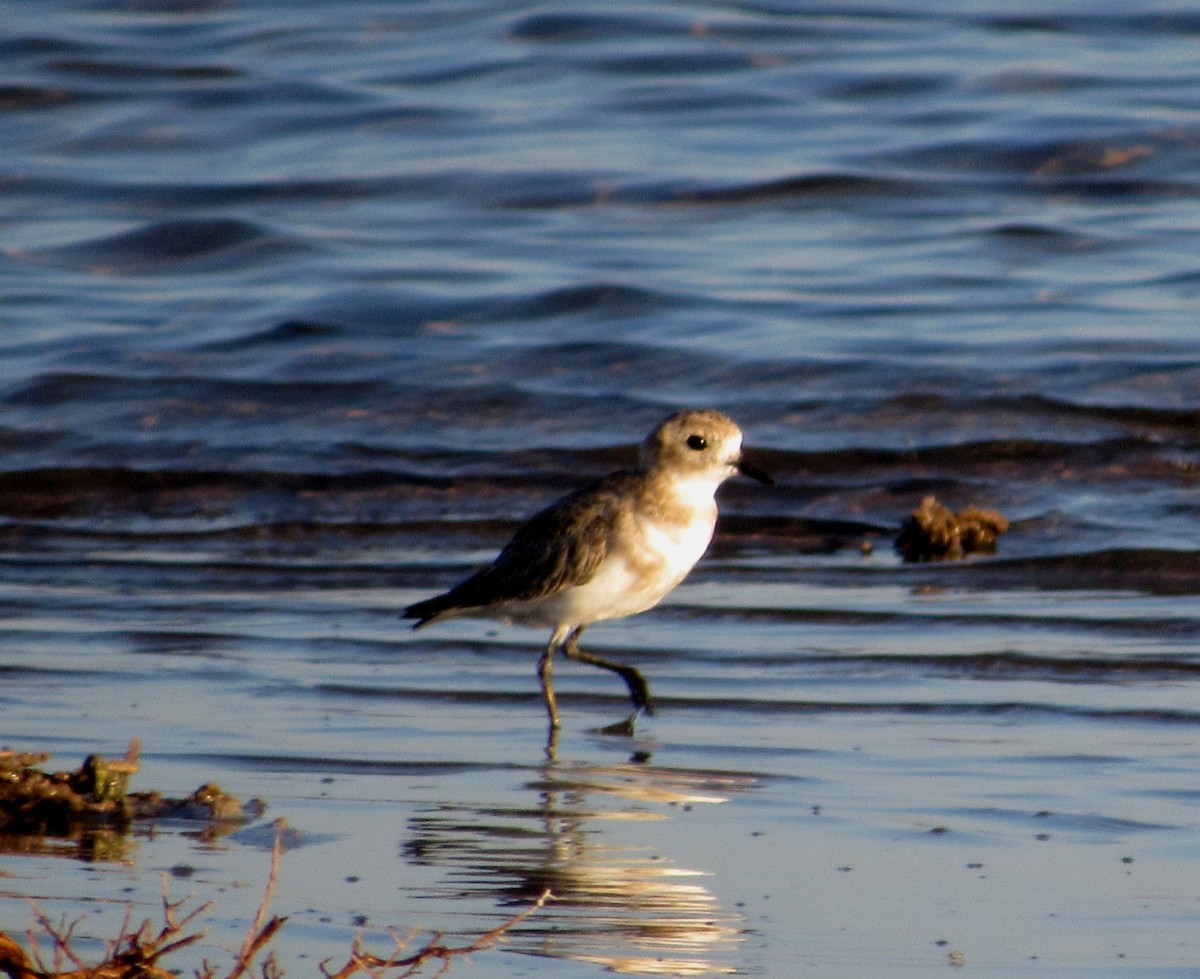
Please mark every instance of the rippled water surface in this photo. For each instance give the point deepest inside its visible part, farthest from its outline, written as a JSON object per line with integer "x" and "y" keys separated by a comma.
{"x": 305, "y": 306}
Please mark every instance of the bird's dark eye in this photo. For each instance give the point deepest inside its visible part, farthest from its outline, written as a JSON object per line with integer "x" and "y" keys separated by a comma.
{"x": 697, "y": 442}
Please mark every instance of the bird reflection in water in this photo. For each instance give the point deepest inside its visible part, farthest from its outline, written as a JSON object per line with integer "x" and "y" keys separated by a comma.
{"x": 615, "y": 904}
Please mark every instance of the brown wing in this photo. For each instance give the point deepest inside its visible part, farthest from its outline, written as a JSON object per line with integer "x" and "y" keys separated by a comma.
{"x": 561, "y": 546}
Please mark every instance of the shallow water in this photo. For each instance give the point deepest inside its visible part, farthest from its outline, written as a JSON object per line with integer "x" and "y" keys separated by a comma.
{"x": 306, "y": 307}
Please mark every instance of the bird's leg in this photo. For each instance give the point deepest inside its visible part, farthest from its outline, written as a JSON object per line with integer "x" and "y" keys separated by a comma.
{"x": 639, "y": 690}
{"x": 552, "y": 744}
{"x": 546, "y": 676}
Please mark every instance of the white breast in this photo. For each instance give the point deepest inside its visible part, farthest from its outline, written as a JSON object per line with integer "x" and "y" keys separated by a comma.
{"x": 678, "y": 548}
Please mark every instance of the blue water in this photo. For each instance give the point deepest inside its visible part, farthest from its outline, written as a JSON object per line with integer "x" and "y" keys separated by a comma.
{"x": 305, "y": 306}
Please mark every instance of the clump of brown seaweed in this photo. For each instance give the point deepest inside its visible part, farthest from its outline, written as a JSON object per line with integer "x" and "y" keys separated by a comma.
{"x": 934, "y": 533}
{"x": 96, "y": 797}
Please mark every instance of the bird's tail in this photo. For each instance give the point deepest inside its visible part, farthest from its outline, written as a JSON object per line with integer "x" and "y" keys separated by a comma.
{"x": 428, "y": 611}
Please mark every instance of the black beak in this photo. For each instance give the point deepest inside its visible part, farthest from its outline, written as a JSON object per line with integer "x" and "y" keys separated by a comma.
{"x": 746, "y": 469}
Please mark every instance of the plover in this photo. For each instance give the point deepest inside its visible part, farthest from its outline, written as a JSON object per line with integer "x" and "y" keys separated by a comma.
{"x": 611, "y": 549}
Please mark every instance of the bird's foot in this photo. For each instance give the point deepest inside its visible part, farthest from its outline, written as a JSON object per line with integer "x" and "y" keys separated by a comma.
{"x": 622, "y": 729}
{"x": 639, "y": 693}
